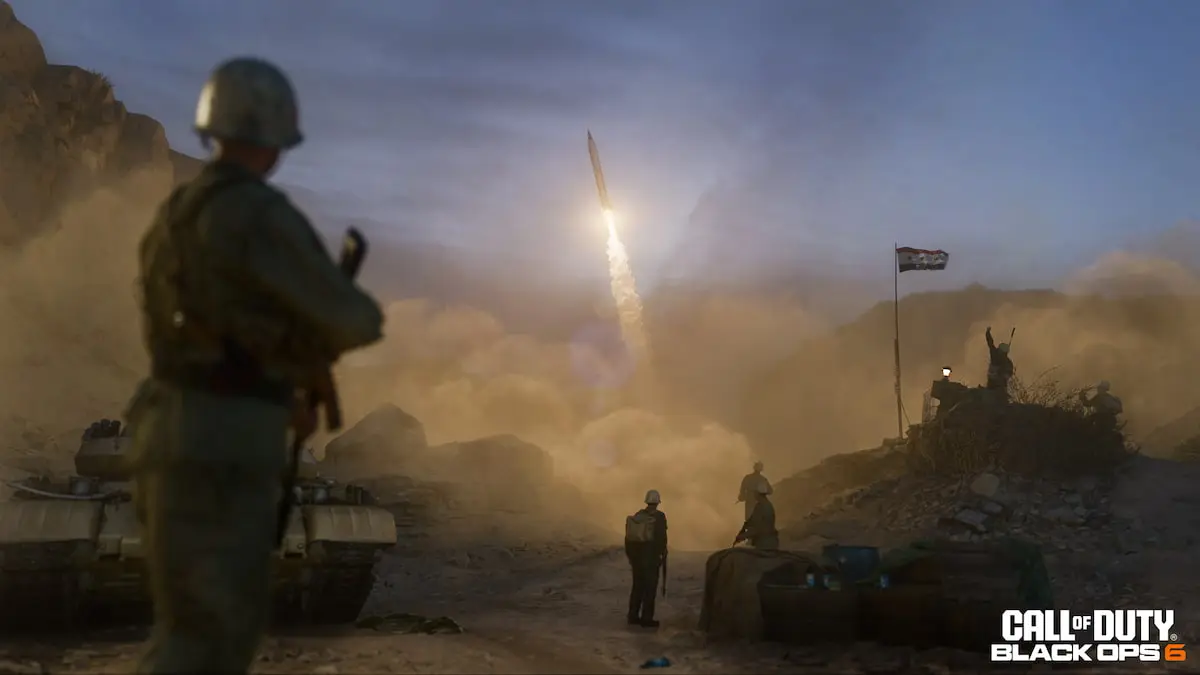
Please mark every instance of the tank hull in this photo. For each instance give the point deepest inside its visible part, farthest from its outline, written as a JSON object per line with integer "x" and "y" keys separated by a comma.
{"x": 64, "y": 564}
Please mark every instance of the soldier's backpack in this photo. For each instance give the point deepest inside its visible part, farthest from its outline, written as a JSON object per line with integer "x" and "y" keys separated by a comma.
{"x": 639, "y": 527}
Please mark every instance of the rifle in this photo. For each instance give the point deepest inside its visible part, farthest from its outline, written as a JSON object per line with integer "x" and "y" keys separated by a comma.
{"x": 664, "y": 574}
{"x": 320, "y": 391}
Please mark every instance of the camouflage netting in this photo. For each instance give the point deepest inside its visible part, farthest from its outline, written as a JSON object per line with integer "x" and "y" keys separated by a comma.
{"x": 732, "y": 606}
{"x": 1019, "y": 437}
{"x": 1011, "y": 570}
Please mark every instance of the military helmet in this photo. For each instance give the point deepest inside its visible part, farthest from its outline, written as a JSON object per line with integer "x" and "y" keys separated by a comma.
{"x": 758, "y": 466}
{"x": 1003, "y": 347}
{"x": 652, "y": 497}
{"x": 250, "y": 100}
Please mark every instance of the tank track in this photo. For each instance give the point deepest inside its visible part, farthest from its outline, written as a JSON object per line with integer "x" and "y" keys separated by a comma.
{"x": 337, "y": 588}
{"x": 39, "y": 587}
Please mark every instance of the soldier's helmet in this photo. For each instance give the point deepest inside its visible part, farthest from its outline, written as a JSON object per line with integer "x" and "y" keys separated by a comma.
{"x": 250, "y": 100}
{"x": 758, "y": 466}
{"x": 1103, "y": 385}
{"x": 652, "y": 497}
{"x": 1003, "y": 347}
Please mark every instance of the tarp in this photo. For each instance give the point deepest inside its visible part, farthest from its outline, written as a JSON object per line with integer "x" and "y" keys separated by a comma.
{"x": 1023, "y": 559}
{"x": 732, "y": 607}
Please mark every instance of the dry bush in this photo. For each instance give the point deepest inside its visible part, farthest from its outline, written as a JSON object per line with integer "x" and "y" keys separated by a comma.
{"x": 1046, "y": 391}
{"x": 1042, "y": 430}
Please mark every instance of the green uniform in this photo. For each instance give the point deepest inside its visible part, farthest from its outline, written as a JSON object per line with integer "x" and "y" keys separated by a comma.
{"x": 240, "y": 299}
{"x": 760, "y": 526}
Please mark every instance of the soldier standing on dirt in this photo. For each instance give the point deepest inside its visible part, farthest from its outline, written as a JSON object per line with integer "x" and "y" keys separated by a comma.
{"x": 646, "y": 549}
{"x": 1104, "y": 407}
{"x": 748, "y": 493}
{"x": 760, "y": 526}
{"x": 240, "y": 301}
{"x": 1000, "y": 367}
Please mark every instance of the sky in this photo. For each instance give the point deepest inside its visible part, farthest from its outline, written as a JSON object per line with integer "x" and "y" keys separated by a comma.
{"x": 737, "y": 138}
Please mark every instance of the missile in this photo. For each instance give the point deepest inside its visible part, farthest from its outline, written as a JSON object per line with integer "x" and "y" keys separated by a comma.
{"x": 601, "y": 188}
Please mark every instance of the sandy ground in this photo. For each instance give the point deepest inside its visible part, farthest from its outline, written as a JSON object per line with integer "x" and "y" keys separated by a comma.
{"x": 556, "y": 605}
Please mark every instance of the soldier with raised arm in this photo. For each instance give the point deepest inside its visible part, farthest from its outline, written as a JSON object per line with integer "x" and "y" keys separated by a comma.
{"x": 241, "y": 304}
{"x": 748, "y": 491}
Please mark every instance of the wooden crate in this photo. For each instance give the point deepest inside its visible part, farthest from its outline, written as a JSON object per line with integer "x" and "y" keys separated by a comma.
{"x": 799, "y": 615}
{"x": 902, "y": 615}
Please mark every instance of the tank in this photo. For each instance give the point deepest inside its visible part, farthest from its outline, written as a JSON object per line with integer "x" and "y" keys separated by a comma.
{"x": 333, "y": 543}
{"x": 71, "y": 549}
{"x": 70, "y": 546}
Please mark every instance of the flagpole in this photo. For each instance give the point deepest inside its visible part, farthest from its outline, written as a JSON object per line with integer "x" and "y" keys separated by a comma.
{"x": 896, "y": 342}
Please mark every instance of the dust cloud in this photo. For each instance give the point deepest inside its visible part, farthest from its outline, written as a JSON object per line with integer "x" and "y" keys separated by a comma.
{"x": 70, "y": 348}
{"x": 461, "y": 373}
{"x": 1128, "y": 318}
{"x": 735, "y": 384}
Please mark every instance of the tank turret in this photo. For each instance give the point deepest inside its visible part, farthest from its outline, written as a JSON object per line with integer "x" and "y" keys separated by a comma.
{"x": 101, "y": 454}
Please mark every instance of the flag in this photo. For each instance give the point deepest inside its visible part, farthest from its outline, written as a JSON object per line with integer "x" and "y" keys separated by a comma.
{"x": 909, "y": 259}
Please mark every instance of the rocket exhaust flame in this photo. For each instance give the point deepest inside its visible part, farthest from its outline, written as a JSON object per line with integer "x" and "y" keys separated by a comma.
{"x": 620, "y": 273}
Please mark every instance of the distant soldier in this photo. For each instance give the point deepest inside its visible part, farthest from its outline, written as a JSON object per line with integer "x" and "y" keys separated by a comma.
{"x": 646, "y": 549}
{"x": 748, "y": 494}
{"x": 760, "y": 526}
{"x": 1000, "y": 367}
{"x": 241, "y": 303}
{"x": 1104, "y": 407}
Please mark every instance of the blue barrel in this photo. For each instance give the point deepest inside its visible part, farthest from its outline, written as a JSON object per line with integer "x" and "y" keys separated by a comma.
{"x": 855, "y": 563}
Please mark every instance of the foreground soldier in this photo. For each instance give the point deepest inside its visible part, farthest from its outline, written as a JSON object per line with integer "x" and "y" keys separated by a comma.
{"x": 646, "y": 549}
{"x": 760, "y": 526}
{"x": 240, "y": 303}
{"x": 748, "y": 493}
{"x": 1000, "y": 367}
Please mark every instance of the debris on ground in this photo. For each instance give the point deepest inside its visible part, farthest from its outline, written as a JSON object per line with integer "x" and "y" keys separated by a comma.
{"x": 409, "y": 624}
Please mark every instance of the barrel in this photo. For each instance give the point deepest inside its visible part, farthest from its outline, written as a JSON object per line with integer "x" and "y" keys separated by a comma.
{"x": 908, "y": 615}
{"x": 855, "y": 563}
{"x": 799, "y": 615}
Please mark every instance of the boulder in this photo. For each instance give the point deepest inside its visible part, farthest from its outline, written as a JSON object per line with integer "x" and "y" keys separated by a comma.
{"x": 504, "y": 472}
{"x": 387, "y": 437}
{"x": 21, "y": 52}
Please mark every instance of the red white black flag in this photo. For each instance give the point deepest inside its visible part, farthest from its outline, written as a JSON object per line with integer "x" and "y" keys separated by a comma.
{"x": 909, "y": 259}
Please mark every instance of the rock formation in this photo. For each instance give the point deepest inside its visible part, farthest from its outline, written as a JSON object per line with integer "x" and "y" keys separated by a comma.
{"x": 62, "y": 132}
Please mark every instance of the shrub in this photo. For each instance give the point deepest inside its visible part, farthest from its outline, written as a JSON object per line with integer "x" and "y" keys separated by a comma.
{"x": 1042, "y": 430}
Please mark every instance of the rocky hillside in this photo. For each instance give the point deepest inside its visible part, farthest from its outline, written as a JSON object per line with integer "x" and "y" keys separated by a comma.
{"x": 62, "y": 132}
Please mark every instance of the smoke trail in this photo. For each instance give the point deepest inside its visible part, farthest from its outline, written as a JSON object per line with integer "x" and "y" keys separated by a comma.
{"x": 625, "y": 294}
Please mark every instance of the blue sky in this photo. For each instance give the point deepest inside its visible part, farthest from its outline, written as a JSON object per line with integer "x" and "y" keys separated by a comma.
{"x": 737, "y": 137}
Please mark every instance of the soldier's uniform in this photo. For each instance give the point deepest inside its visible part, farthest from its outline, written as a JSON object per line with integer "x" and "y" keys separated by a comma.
{"x": 1000, "y": 367}
{"x": 240, "y": 299}
{"x": 1104, "y": 407}
{"x": 748, "y": 491}
{"x": 760, "y": 526}
{"x": 646, "y": 558}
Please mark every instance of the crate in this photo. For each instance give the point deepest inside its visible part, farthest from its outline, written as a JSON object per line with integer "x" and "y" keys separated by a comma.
{"x": 902, "y": 615}
{"x": 799, "y": 615}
